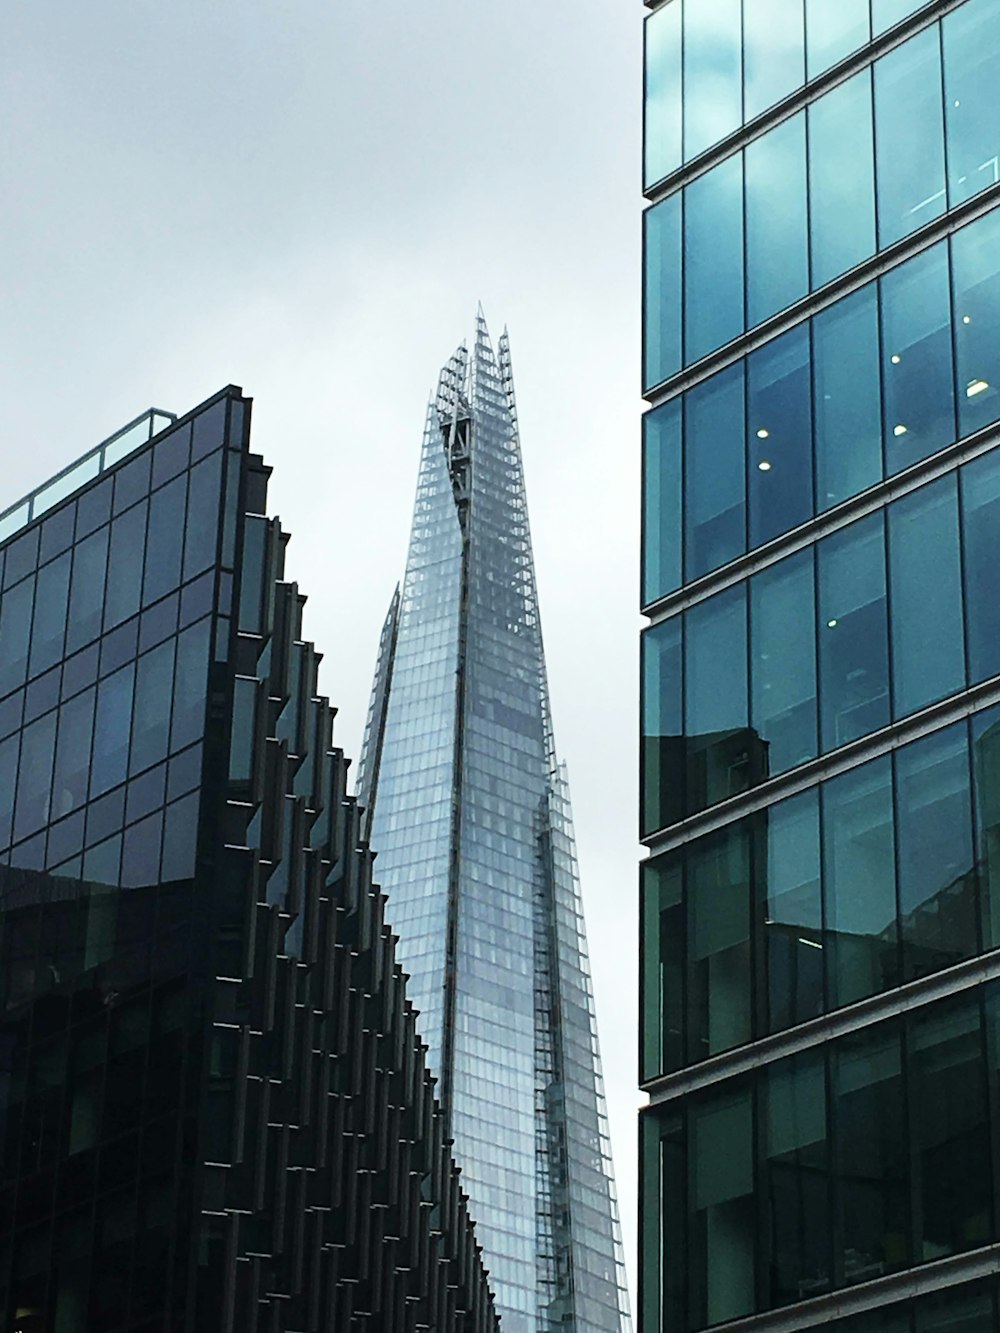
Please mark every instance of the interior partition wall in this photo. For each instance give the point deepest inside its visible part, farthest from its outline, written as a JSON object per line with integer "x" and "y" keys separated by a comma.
{"x": 821, "y": 666}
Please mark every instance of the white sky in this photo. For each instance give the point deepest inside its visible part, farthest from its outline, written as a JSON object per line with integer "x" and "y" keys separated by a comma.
{"x": 308, "y": 198}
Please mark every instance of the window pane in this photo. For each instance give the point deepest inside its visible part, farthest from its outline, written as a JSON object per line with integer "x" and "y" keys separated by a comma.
{"x": 721, "y": 1225}
{"x": 958, "y": 1311}
{"x": 714, "y": 473}
{"x": 909, "y": 137}
{"x": 777, "y": 259}
{"x": 15, "y": 634}
{"x": 34, "y": 777}
{"x": 76, "y": 724}
{"x": 986, "y": 776}
{"x": 794, "y": 1180}
{"x": 788, "y": 867}
{"x": 128, "y": 535}
{"x": 773, "y": 52}
{"x": 919, "y": 385}
{"x": 662, "y": 967}
{"x": 834, "y": 31}
{"x": 858, "y": 849}
{"x": 980, "y": 487}
{"x": 971, "y": 37}
{"x": 86, "y": 602}
{"x": 713, "y": 259}
{"x": 723, "y": 756}
{"x": 937, "y": 874}
{"x": 975, "y": 258}
{"x": 872, "y": 1227}
{"x": 662, "y": 300}
{"x": 163, "y": 540}
{"x": 928, "y": 658}
{"x": 853, "y": 648}
{"x": 661, "y": 478}
{"x": 662, "y": 743}
{"x": 712, "y": 70}
{"x": 848, "y": 398}
{"x": 111, "y": 730}
{"x": 886, "y": 13}
{"x": 779, "y": 436}
{"x": 663, "y": 1221}
{"x": 951, "y": 1145}
{"x": 202, "y": 532}
{"x": 663, "y": 93}
{"x": 841, "y": 179}
{"x": 783, "y": 662}
{"x": 8, "y": 782}
{"x": 180, "y": 838}
{"x": 190, "y": 686}
{"x": 49, "y": 628}
{"x": 153, "y": 687}
{"x": 718, "y": 912}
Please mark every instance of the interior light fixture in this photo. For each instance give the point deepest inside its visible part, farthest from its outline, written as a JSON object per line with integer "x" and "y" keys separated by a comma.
{"x": 831, "y": 624}
{"x": 957, "y": 102}
{"x": 899, "y": 430}
{"x": 813, "y": 944}
{"x": 966, "y": 319}
{"x": 764, "y": 465}
{"x": 976, "y": 387}
{"x": 762, "y": 434}
{"x": 895, "y": 358}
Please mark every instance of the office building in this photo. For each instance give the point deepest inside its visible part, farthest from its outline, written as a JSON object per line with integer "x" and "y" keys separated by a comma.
{"x": 821, "y": 669}
{"x": 215, "y": 1111}
{"x": 470, "y": 818}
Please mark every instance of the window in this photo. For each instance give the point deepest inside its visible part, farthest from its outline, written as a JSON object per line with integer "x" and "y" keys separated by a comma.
{"x": 986, "y": 770}
{"x": 980, "y": 487}
{"x": 663, "y": 966}
{"x": 777, "y": 245}
{"x": 48, "y": 630}
{"x": 788, "y": 866}
{"x": 779, "y": 436}
{"x": 909, "y": 136}
{"x": 834, "y": 31}
{"x": 718, "y": 911}
{"x": 661, "y": 433}
{"x": 663, "y": 93}
{"x": 773, "y": 52}
{"x": 662, "y": 728}
{"x": 713, "y": 258}
{"x": 714, "y": 474}
{"x": 721, "y": 1224}
{"x": 971, "y": 37}
{"x": 976, "y": 281}
{"x": 712, "y": 73}
{"x": 848, "y": 398}
{"x": 841, "y": 178}
{"x": 723, "y": 756}
{"x": 783, "y": 663}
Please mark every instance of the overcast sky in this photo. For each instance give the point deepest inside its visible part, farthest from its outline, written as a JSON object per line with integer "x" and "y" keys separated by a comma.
{"x": 308, "y": 198}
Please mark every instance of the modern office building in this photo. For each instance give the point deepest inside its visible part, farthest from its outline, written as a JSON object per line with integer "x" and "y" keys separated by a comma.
{"x": 469, "y": 813}
{"x": 821, "y": 670}
{"x": 215, "y": 1111}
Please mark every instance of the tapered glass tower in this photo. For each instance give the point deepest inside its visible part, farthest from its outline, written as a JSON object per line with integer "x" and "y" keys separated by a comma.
{"x": 468, "y": 813}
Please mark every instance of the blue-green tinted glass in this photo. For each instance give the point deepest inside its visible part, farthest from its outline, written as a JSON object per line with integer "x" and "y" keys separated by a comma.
{"x": 661, "y": 436}
{"x": 662, "y": 964}
{"x": 86, "y": 599}
{"x": 714, "y": 473}
{"x": 15, "y": 634}
{"x": 662, "y": 726}
{"x": 773, "y": 52}
{"x": 938, "y": 909}
{"x": 925, "y": 580}
{"x": 858, "y": 849}
{"x": 917, "y": 374}
{"x": 125, "y": 558}
{"x": 662, "y": 316}
{"x": 975, "y": 262}
{"x": 722, "y": 1225}
{"x": 779, "y": 436}
{"x": 985, "y": 732}
{"x": 789, "y": 870}
{"x": 783, "y": 662}
{"x": 834, "y": 31}
{"x": 163, "y": 540}
{"x": 663, "y": 92}
{"x": 777, "y": 255}
{"x": 723, "y": 755}
{"x": 971, "y": 37}
{"x": 980, "y": 486}
{"x": 909, "y": 137}
{"x": 853, "y": 647}
{"x": 713, "y": 104}
{"x": 959, "y": 1311}
{"x": 886, "y": 13}
{"x": 48, "y": 630}
{"x": 713, "y": 259}
{"x": 8, "y": 785}
{"x": 718, "y": 944}
{"x": 663, "y": 1220}
{"x": 847, "y": 398}
{"x": 841, "y": 179}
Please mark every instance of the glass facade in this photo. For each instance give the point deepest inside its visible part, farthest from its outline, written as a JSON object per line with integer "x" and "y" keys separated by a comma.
{"x": 196, "y": 983}
{"x": 468, "y": 810}
{"x": 821, "y": 672}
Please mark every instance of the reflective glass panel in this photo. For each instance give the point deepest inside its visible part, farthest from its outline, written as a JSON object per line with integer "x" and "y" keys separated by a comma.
{"x": 841, "y": 179}
{"x": 773, "y": 52}
{"x": 937, "y": 873}
{"x": 788, "y": 866}
{"x": 111, "y": 731}
{"x": 662, "y": 728}
{"x": 48, "y": 629}
{"x": 125, "y": 557}
{"x": 663, "y": 92}
{"x": 858, "y": 848}
{"x": 721, "y": 1223}
{"x": 887, "y": 13}
{"x": 164, "y": 540}
{"x": 783, "y": 663}
{"x": 975, "y": 260}
{"x": 779, "y": 436}
{"x": 909, "y": 136}
{"x": 661, "y": 571}
{"x": 917, "y": 372}
{"x": 663, "y": 966}
{"x": 723, "y": 755}
{"x": 153, "y": 689}
{"x": 980, "y": 488}
{"x": 714, "y": 473}
{"x": 971, "y": 36}
{"x": 959, "y": 1311}
{"x": 713, "y": 258}
{"x": 718, "y": 911}
{"x": 662, "y": 296}
{"x": 86, "y": 601}
{"x": 34, "y": 777}
{"x": 15, "y": 634}
{"x": 986, "y": 777}
{"x": 925, "y": 580}
{"x": 69, "y": 784}
{"x": 834, "y": 31}
{"x": 847, "y": 398}
{"x": 777, "y": 243}
{"x": 713, "y": 104}
{"x": 853, "y": 638}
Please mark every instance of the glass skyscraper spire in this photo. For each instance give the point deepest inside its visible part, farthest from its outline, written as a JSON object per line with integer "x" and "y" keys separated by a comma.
{"x": 468, "y": 812}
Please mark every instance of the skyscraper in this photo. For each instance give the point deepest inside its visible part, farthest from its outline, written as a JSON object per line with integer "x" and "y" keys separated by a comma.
{"x": 214, "y": 1108}
{"x": 469, "y": 817}
{"x": 821, "y": 672}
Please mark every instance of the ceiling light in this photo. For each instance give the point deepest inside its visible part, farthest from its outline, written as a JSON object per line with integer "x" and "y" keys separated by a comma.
{"x": 895, "y": 358}
{"x": 762, "y": 434}
{"x": 966, "y": 319}
{"x": 813, "y": 944}
{"x": 976, "y": 387}
{"x": 831, "y": 624}
{"x": 957, "y": 102}
{"x": 764, "y": 465}
{"x": 898, "y": 430}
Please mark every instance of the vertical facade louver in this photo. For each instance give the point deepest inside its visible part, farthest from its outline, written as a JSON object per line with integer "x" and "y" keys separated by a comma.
{"x": 468, "y": 811}
{"x": 821, "y": 669}
{"x": 215, "y": 1110}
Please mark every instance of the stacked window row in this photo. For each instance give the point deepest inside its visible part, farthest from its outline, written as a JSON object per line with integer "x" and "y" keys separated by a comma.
{"x": 877, "y": 877}
{"x": 826, "y": 1169}
{"x": 876, "y": 621}
{"x": 868, "y": 387}
{"x": 863, "y": 166}
{"x": 713, "y": 65}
